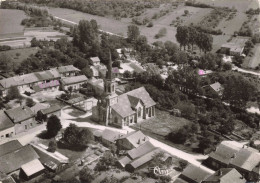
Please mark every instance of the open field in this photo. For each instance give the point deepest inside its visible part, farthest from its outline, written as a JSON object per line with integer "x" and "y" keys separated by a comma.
{"x": 23, "y": 54}
{"x": 10, "y": 21}
{"x": 255, "y": 60}
{"x": 163, "y": 123}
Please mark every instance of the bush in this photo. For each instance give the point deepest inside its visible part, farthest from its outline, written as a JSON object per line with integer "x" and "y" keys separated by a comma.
{"x": 5, "y": 48}
{"x": 183, "y": 164}
{"x": 162, "y": 32}
{"x": 150, "y": 24}
{"x": 52, "y": 146}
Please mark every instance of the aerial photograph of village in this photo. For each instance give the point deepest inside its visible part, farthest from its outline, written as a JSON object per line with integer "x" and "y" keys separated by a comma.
{"x": 129, "y": 91}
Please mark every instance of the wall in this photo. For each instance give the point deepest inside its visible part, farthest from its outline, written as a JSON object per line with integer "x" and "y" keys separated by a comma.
{"x": 8, "y": 131}
{"x": 20, "y": 127}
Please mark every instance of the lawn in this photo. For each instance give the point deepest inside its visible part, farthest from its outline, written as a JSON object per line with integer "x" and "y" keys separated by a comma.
{"x": 10, "y": 21}
{"x": 163, "y": 123}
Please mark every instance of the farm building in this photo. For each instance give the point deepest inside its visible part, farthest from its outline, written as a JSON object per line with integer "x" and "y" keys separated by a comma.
{"x": 225, "y": 175}
{"x": 22, "y": 118}
{"x": 20, "y": 158}
{"x": 131, "y": 140}
{"x": 74, "y": 82}
{"x": 232, "y": 49}
{"x": 45, "y": 113}
{"x": 67, "y": 71}
{"x": 6, "y": 126}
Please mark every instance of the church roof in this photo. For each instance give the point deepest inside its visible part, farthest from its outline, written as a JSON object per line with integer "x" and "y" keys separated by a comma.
{"x": 127, "y": 101}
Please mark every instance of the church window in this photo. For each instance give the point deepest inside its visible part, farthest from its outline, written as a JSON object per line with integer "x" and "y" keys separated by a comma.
{"x": 116, "y": 119}
{"x": 139, "y": 112}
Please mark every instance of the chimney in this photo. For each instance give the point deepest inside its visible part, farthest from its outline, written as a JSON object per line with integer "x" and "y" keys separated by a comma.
{"x": 138, "y": 141}
{"x": 144, "y": 139}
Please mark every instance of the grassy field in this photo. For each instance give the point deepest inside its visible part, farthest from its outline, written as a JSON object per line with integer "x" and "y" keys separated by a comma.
{"x": 255, "y": 60}
{"x": 10, "y": 21}
{"x": 163, "y": 123}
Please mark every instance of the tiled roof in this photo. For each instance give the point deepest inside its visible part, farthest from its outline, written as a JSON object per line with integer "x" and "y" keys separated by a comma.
{"x": 51, "y": 109}
{"x": 141, "y": 150}
{"x": 74, "y": 80}
{"x": 135, "y": 138}
{"x": 145, "y": 158}
{"x": 20, "y": 114}
{"x": 14, "y": 160}
{"x": 194, "y": 173}
{"x": 246, "y": 159}
{"x": 39, "y": 106}
{"x": 5, "y": 122}
{"x": 111, "y": 135}
{"x": 128, "y": 100}
{"x": 143, "y": 95}
{"x": 224, "y": 153}
{"x": 32, "y": 167}
{"x": 124, "y": 161}
{"x": 67, "y": 68}
{"x": 95, "y": 59}
{"x": 226, "y": 175}
{"x": 9, "y": 147}
{"x": 216, "y": 86}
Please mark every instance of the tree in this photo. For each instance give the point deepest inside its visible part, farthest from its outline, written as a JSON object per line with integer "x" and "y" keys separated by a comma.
{"x": 180, "y": 136}
{"x": 182, "y": 36}
{"x": 133, "y": 33}
{"x": 227, "y": 66}
{"x": 116, "y": 64}
{"x": 13, "y": 93}
{"x": 86, "y": 175}
{"x": 53, "y": 126}
{"x": 127, "y": 74}
{"x": 186, "y": 12}
{"x": 183, "y": 164}
{"x": 30, "y": 102}
{"x": 52, "y": 146}
{"x": 204, "y": 144}
{"x": 105, "y": 162}
{"x": 112, "y": 179}
{"x": 75, "y": 136}
{"x": 5, "y": 62}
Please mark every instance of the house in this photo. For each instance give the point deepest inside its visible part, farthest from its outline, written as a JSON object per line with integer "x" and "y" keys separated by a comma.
{"x": 39, "y": 106}
{"x": 24, "y": 159}
{"x": 139, "y": 157}
{"x": 22, "y": 117}
{"x": 247, "y": 163}
{"x": 116, "y": 72}
{"x": 194, "y": 174}
{"x": 221, "y": 157}
{"x": 225, "y": 175}
{"x": 99, "y": 70}
{"x": 54, "y": 162}
{"x": 95, "y": 61}
{"x": 67, "y": 71}
{"x": 109, "y": 137}
{"x": 74, "y": 82}
{"x": 9, "y": 147}
{"x": 6, "y": 126}
{"x": 217, "y": 87}
{"x": 244, "y": 159}
{"x": 43, "y": 80}
{"x": 131, "y": 140}
{"x": 32, "y": 169}
{"x": 232, "y": 49}
{"x": 96, "y": 85}
{"x": 44, "y": 114}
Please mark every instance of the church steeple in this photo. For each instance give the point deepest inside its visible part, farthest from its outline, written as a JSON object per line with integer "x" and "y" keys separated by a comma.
{"x": 110, "y": 85}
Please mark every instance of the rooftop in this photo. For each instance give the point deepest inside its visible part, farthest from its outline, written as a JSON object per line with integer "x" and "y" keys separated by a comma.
{"x": 9, "y": 147}
{"x": 74, "y": 80}
{"x": 51, "y": 109}
{"x": 14, "y": 160}
{"x": 32, "y": 167}
{"x": 111, "y": 135}
{"x": 67, "y": 68}
{"x": 95, "y": 59}
{"x": 5, "y": 122}
{"x": 136, "y": 138}
{"x": 216, "y": 86}
{"x": 194, "y": 173}
{"x": 20, "y": 114}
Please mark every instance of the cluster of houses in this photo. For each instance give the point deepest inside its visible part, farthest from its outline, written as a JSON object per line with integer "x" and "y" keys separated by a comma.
{"x": 135, "y": 149}
{"x": 23, "y": 118}
{"x": 27, "y": 161}
{"x": 53, "y": 79}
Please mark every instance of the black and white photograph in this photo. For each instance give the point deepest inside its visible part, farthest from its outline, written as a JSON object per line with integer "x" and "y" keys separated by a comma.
{"x": 129, "y": 91}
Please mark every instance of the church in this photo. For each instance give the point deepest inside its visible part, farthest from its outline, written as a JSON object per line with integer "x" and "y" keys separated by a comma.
{"x": 125, "y": 109}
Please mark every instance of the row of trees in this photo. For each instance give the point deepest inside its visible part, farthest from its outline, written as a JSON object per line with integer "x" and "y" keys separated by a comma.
{"x": 189, "y": 36}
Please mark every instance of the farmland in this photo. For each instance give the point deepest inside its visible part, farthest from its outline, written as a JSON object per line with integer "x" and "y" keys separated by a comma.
{"x": 10, "y": 22}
